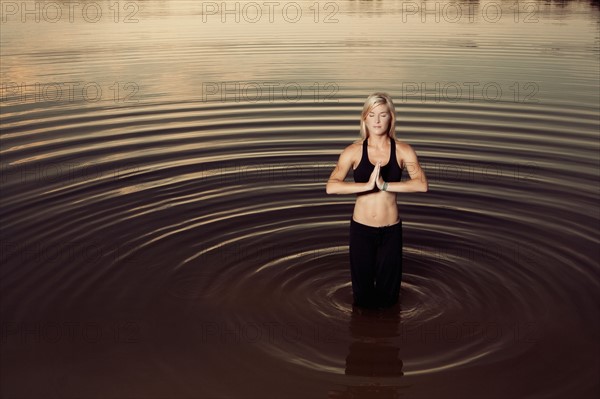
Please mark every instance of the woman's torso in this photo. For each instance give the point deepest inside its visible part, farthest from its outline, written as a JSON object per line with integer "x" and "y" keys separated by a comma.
{"x": 376, "y": 208}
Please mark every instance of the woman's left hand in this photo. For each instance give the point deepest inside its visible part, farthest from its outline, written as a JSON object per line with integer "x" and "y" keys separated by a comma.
{"x": 379, "y": 182}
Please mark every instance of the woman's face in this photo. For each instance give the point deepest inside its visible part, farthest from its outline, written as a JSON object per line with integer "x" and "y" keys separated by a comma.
{"x": 378, "y": 119}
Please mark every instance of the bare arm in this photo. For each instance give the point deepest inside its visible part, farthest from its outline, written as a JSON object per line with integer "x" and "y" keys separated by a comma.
{"x": 418, "y": 180}
{"x": 336, "y": 183}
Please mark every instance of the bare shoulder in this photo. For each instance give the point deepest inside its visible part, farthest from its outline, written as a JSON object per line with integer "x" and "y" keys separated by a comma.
{"x": 357, "y": 143}
{"x": 405, "y": 153}
{"x": 351, "y": 154}
{"x": 347, "y": 160}
{"x": 403, "y": 147}
{"x": 352, "y": 149}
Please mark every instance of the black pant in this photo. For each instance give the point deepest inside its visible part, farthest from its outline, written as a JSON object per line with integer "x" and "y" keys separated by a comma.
{"x": 375, "y": 264}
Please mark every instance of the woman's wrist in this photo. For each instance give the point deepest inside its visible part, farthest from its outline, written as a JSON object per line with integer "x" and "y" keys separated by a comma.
{"x": 384, "y": 187}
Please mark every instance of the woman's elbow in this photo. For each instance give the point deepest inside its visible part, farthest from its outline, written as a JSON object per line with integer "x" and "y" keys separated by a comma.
{"x": 332, "y": 187}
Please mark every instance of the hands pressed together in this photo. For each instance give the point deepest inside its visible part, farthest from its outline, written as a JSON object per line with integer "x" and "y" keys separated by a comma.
{"x": 376, "y": 178}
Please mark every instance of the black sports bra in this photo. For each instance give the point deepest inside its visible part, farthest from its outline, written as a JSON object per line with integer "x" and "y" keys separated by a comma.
{"x": 389, "y": 172}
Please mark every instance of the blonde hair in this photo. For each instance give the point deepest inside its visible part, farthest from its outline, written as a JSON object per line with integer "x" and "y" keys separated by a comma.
{"x": 372, "y": 101}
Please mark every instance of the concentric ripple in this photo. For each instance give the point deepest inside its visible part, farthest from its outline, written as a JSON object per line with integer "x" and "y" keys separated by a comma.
{"x": 196, "y": 236}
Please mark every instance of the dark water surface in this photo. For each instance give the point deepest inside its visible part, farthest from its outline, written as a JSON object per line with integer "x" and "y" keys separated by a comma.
{"x": 165, "y": 227}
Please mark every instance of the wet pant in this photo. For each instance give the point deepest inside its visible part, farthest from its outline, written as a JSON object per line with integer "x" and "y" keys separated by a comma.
{"x": 375, "y": 264}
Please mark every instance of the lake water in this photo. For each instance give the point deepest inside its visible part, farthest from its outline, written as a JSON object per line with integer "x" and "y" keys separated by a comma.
{"x": 166, "y": 232}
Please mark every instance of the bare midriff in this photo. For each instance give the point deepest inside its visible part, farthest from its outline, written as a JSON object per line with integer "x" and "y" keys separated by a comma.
{"x": 377, "y": 209}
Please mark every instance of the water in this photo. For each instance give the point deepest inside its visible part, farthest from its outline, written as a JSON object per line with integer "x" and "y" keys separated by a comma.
{"x": 166, "y": 231}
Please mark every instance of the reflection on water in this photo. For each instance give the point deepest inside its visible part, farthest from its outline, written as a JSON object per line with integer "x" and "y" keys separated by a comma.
{"x": 165, "y": 225}
{"x": 371, "y": 355}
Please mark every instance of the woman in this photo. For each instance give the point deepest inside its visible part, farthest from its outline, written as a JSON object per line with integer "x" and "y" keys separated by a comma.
{"x": 375, "y": 227}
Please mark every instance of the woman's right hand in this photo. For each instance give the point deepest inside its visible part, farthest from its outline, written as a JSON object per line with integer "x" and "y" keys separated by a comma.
{"x": 374, "y": 175}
